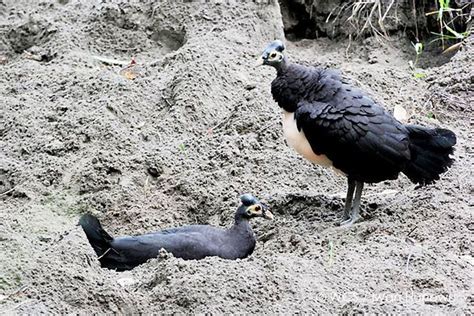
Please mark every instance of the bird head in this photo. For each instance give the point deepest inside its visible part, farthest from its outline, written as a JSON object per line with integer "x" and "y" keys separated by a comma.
{"x": 251, "y": 207}
{"x": 272, "y": 55}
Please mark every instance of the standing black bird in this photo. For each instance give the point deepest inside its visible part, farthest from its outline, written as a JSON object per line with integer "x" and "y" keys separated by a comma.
{"x": 332, "y": 123}
{"x": 187, "y": 242}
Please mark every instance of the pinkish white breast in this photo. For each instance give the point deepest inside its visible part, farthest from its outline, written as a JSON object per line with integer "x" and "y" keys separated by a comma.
{"x": 298, "y": 141}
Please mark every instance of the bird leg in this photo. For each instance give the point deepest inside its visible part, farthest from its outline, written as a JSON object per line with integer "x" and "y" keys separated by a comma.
{"x": 355, "y": 216}
{"x": 349, "y": 196}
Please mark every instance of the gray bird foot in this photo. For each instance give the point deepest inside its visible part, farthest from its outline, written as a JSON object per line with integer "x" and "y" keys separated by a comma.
{"x": 345, "y": 217}
{"x": 350, "y": 221}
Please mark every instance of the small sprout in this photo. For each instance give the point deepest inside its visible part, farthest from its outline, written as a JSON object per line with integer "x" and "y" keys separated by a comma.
{"x": 419, "y": 75}
{"x": 430, "y": 115}
{"x": 331, "y": 253}
{"x": 418, "y": 48}
{"x": 182, "y": 147}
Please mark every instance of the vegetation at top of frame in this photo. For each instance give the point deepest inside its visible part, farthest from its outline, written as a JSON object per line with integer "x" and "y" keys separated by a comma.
{"x": 454, "y": 24}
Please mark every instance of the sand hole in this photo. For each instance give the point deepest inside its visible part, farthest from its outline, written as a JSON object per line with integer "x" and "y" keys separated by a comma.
{"x": 172, "y": 39}
{"x": 297, "y": 22}
{"x": 127, "y": 32}
{"x": 29, "y": 34}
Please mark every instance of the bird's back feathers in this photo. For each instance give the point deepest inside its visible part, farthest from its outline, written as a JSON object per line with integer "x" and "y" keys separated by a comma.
{"x": 360, "y": 138}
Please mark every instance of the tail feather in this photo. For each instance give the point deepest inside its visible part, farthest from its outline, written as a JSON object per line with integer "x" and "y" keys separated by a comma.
{"x": 98, "y": 238}
{"x": 430, "y": 153}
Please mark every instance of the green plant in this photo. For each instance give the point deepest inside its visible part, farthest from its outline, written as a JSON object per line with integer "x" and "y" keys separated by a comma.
{"x": 419, "y": 75}
{"x": 331, "y": 253}
{"x": 443, "y": 7}
{"x": 418, "y": 50}
{"x": 446, "y": 25}
{"x": 452, "y": 36}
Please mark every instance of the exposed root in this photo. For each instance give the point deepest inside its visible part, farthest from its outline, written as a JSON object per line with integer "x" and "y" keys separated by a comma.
{"x": 367, "y": 11}
{"x": 360, "y": 8}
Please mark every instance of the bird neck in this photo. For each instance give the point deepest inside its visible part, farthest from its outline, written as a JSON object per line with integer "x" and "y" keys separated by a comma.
{"x": 243, "y": 234}
{"x": 239, "y": 218}
{"x": 281, "y": 67}
{"x": 241, "y": 223}
{"x": 284, "y": 86}
{"x": 242, "y": 237}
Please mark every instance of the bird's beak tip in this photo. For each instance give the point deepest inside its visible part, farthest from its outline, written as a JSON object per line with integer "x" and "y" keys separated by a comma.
{"x": 268, "y": 215}
{"x": 259, "y": 62}
{"x": 266, "y": 212}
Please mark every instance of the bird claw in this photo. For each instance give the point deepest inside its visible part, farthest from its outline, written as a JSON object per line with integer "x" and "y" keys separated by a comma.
{"x": 350, "y": 221}
{"x": 345, "y": 217}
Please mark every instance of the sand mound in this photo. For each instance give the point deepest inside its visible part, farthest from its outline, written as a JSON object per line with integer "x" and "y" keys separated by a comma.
{"x": 176, "y": 138}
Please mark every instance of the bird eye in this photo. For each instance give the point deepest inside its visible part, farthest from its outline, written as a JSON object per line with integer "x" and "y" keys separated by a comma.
{"x": 258, "y": 208}
{"x": 273, "y": 55}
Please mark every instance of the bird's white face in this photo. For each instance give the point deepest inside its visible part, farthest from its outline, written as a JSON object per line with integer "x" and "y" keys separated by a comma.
{"x": 270, "y": 58}
{"x": 258, "y": 210}
{"x": 272, "y": 55}
{"x": 275, "y": 56}
{"x": 251, "y": 207}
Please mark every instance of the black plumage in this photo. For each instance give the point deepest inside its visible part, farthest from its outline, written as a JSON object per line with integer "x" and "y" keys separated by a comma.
{"x": 187, "y": 242}
{"x": 356, "y": 134}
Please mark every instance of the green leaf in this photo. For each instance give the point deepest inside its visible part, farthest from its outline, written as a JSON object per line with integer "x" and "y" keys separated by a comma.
{"x": 456, "y": 34}
{"x": 444, "y": 4}
{"x": 419, "y": 75}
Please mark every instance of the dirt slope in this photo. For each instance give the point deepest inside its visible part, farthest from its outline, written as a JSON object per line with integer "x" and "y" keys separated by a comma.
{"x": 180, "y": 142}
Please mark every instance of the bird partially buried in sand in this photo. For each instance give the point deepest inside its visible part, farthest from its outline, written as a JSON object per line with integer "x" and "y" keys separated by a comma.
{"x": 331, "y": 123}
{"x": 187, "y": 242}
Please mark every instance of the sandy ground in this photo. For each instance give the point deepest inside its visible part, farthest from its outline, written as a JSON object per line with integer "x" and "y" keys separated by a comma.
{"x": 195, "y": 128}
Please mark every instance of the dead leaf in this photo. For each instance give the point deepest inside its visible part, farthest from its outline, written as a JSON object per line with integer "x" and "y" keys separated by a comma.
{"x": 129, "y": 72}
{"x": 410, "y": 241}
{"x": 400, "y": 113}
{"x": 453, "y": 48}
{"x": 29, "y": 55}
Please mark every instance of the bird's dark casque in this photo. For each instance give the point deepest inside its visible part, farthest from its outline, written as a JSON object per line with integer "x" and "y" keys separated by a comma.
{"x": 187, "y": 242}
{"x": 334, "y": 124}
